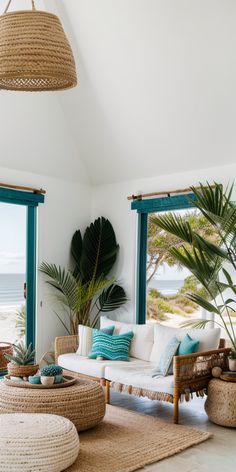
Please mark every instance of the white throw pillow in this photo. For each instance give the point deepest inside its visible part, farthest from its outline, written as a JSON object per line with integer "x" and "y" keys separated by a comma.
{"x": 142, "y": 342}
{"x": 208, "y": 339}
{"x": 85, "y": 340}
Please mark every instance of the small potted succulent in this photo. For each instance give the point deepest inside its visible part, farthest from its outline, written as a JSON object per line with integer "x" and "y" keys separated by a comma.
{"x": 22, "y": 361}
{"x": 51, "y": 374}
{"x": 232, "y": 361}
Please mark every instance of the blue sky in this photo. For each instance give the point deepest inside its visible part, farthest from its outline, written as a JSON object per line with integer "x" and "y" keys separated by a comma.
{"x": 12, "y": 238}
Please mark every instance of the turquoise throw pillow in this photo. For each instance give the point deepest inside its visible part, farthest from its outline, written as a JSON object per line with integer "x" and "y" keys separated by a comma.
{"x": 164, "y": 367}
{"x": 115, "y": 348}
{"x": 187, "y": 346}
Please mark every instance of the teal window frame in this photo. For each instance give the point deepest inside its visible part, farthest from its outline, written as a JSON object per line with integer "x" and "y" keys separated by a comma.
{"x": 31, "y": 201}
{"x": 143, "y": 208}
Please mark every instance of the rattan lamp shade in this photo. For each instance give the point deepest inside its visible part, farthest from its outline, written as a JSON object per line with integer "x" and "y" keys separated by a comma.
{"x": 35, "y": 54}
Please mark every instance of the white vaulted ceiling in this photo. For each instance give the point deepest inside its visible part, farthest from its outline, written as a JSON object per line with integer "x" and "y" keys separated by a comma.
{"x": 156, "y": 92}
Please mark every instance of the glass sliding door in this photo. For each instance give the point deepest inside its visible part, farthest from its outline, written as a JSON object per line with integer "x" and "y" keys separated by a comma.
{"x": 12, "y": 272}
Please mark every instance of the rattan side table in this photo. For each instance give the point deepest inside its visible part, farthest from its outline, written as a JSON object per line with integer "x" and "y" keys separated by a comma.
{"x": 82, "y": 403}
{"x": 220, "y": 405}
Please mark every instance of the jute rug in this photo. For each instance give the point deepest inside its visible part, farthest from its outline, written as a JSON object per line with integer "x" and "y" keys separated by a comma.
{"x": 127, "y": 441}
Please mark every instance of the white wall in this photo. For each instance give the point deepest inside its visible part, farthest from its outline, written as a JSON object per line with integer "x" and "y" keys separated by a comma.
{"x": 66, "y": 208}
{"x": 111, "y": 202}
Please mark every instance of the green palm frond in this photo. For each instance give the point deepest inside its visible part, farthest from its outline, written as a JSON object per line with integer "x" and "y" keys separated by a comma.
{"x": 111, "y": 298}
{"x": 99, "y": 250}
{"x": 203, "y": 303}
{"x": 174, "y": 224}
{"x": 63, "y": 281}
{"x": 195, "y": 324}
{"x": 205, "y": 269}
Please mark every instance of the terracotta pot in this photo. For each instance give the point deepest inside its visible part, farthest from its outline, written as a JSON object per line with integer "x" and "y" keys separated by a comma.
{"x": 22, "y": 370}
{"x": 232, "y": 365}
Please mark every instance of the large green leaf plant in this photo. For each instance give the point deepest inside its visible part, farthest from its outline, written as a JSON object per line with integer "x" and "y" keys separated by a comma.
{"x": 86, "y": 291}
{"x": 213, "y": 265}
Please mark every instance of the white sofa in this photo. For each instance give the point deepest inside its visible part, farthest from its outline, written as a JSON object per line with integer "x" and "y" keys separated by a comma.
{"x": 191, "y": 373}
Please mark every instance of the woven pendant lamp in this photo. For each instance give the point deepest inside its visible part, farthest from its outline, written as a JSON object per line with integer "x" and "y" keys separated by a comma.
{"x": 35, "y": 54}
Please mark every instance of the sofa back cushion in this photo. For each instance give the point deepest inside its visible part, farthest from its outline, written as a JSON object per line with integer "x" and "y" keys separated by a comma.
{"x": 208, "y": 339}
{"x": 142, "y": 342}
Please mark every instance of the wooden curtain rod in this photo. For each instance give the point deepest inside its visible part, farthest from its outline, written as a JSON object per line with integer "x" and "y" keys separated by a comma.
{"x": 26, "y": 189}
{"x": 158, "y": 194}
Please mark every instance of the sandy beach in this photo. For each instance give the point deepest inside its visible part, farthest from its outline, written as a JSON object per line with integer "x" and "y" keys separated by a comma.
{"x": 8, "y": 332}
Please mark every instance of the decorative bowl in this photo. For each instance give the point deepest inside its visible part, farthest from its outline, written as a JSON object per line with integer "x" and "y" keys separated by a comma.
{"x": 34, "y": 379}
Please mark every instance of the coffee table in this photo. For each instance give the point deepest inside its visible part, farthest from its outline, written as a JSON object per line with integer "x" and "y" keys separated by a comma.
{"x": 82, "y": 403}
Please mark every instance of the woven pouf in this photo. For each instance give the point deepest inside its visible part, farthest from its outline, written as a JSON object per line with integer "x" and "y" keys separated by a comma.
{"x": 33, "y": 442}
{"x": 220, "y": 405}
{"x": 82, "y": 403}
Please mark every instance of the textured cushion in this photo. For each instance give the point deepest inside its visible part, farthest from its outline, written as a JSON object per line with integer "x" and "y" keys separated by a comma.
{"x": 86, "y": 338}
{"x": 140, "y": 378}
{"x": 111, "y": 347}
{"x": 208, "y": 339}
{"x": 166, "y": 359}
{"x": 93, "y": 367}
{"x": 187, "y": 346}
{"x": 142, "y": 342}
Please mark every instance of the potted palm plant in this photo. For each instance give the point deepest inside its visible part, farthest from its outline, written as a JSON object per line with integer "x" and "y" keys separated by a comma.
{"x": 213, "y": 265}
{"x": 86, "y": 291}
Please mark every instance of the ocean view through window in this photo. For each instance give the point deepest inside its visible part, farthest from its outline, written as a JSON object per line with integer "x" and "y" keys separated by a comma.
{"x": 12, "y": 272}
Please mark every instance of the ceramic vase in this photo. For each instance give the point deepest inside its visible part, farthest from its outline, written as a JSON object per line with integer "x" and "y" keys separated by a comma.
{"x": 232, "y": 365}
{"x": 47, "y": 381}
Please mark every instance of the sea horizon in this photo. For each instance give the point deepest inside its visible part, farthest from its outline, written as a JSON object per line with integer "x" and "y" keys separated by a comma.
{"x": 11, "y": 290}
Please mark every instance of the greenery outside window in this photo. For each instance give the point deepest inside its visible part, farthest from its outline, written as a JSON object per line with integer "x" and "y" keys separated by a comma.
{"x": 144, "y": 208}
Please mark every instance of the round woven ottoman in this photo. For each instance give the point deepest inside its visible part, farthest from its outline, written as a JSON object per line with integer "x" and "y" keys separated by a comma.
{"x": 31, "y": 442}
{"x": 82, "y": 403}
{"x": 220, "y": 405}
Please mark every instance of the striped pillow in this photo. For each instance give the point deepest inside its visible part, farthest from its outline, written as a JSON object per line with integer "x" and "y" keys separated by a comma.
{"x": 115, "y": 348}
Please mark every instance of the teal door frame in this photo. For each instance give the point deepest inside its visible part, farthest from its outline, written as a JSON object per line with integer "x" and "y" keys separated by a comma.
{"x": 143, "y": 208}
{"x": 31, "y": 201}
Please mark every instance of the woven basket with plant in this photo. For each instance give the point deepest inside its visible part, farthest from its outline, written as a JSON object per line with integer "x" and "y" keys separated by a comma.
{"x": 21, "y": 362}
{"x": 5, "y": 348}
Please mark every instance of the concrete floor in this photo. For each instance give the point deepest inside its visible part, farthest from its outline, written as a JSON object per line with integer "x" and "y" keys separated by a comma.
{"x": 215, "y": 455}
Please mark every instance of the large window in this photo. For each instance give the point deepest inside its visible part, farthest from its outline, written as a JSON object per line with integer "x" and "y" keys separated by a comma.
{"x": 18, "y": 263}
{"x": 161, "y": 283}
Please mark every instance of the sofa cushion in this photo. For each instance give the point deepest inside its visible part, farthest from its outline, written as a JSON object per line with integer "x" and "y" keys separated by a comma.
{"x": 142, "y": 342}
{"x": 140, "y": 378}
{"x": 208, "y": 339}
{"x": 115, "y": 348}
{"x": 165, "y": 365}
{"x": 187, "y": 346}
{"x": 92, "y": 367}
{"x": 86, "y": 338}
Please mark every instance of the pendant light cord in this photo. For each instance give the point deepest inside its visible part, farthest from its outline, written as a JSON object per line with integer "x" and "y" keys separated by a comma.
{"x": 9, "y": 3}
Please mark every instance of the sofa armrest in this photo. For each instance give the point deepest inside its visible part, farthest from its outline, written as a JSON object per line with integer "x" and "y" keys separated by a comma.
{"x": 65, "y": 345}
{"x": 193, "y": 371}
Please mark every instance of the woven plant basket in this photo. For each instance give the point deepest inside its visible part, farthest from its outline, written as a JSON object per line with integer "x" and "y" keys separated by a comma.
{"x": 5, "y": 348}
{"x": 22, "y": 370}
{"x": 35, "y": 54}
